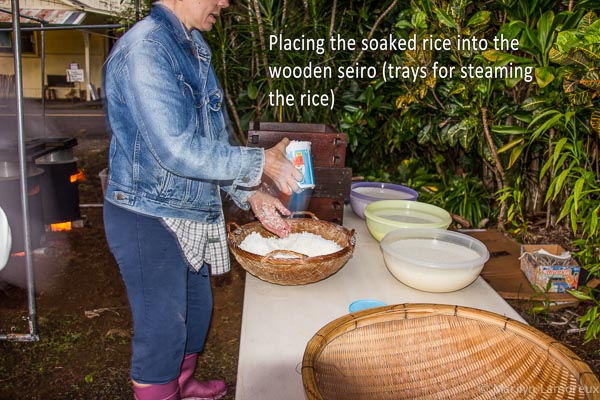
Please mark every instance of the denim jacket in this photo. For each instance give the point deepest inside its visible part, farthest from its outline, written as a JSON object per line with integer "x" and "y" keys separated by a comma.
{"x": 169, "y": 152}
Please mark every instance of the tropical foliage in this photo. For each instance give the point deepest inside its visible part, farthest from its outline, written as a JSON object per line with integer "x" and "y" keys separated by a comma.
{"x": 483, "y": 145}
{"x": 511, "y": 134}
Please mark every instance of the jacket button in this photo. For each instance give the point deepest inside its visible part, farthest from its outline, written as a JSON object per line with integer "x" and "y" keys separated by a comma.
{"x": 246, "y": 179}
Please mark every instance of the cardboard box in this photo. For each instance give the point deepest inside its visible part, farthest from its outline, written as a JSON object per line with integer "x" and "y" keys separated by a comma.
{"x": 503, "y": 273}
{"x": 547, "y": 272}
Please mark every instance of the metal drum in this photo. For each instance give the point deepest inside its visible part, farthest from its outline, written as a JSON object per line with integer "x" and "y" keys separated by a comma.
{"x": 60, "y": 186}
{"x": 10, "y": 201}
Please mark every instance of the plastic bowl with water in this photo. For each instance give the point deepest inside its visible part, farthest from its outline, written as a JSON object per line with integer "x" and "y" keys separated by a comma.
{"x": 387, "y": 215}
{"x": 364, "y": 193}
{"x": 433, "y": 260}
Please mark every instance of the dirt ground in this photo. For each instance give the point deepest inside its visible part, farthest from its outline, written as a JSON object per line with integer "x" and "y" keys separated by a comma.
{"x": 84, "y": 322}
{"x": 83, "y": 317}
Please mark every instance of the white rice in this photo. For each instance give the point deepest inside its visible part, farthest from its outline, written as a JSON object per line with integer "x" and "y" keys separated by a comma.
{"x": 305, "y": 243}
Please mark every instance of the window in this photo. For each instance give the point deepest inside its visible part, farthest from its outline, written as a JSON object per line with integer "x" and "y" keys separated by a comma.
{"x": 28, "y": 42}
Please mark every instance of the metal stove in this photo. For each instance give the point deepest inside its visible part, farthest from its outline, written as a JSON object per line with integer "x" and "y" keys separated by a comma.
{"x": 53, "y": 193}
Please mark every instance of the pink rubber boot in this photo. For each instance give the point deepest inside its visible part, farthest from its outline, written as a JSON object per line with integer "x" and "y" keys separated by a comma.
{"x": 192, "y": 389}
{"x": 168, "y": 391}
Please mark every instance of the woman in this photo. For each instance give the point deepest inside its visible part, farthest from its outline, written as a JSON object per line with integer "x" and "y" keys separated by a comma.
{"x": 169, "y": 158}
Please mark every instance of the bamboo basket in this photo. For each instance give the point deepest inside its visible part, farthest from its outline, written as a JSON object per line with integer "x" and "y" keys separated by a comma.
{"x": 431, "y": 351}
{"x": 293, "y": 271}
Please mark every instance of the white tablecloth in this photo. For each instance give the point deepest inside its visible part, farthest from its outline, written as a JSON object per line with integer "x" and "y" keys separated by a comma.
{"x": 278, "y": 321}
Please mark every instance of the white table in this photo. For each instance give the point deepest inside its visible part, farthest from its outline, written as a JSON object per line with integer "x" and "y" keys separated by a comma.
{"x": 278, "y": 321}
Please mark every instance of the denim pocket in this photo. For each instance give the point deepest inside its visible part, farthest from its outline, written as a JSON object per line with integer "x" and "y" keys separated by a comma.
{"x": 215, "y": 100}
{"x": 189, "y": 91}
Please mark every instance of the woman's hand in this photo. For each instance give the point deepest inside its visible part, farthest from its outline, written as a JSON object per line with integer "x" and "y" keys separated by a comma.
{"x": 280, "y": 170}
{"x": 269, "y": 211}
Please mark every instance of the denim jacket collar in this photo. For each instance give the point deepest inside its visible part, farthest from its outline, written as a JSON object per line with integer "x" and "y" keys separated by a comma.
{"x": 191, "y": 40}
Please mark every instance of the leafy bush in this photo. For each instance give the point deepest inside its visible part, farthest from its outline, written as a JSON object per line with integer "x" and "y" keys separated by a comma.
{"x": 485, "y": 148}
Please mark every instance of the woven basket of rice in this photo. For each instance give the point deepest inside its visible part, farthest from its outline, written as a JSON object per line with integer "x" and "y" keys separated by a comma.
{"x": 432, "y": 351}
{"x": 295, "y": 269}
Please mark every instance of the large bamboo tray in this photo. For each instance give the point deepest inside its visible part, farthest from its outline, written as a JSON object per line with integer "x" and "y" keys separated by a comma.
{"x": 432, "y": 351}
{"x": 293, "y": 271}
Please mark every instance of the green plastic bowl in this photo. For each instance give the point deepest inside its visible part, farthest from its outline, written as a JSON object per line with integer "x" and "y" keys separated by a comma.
{"x": 387, "y": 215}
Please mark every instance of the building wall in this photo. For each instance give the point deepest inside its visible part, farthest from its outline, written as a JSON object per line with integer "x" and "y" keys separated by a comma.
{"x": 62, "y": 47}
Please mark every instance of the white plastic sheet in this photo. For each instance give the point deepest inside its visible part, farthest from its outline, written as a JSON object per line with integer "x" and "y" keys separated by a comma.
{"x": 5, "y": 239}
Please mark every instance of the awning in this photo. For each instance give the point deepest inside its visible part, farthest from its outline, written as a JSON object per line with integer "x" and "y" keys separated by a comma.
{"x": 54, "y": 17}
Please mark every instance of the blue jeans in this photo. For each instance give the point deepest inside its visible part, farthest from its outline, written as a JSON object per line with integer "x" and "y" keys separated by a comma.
{"x": 170, "y": 304}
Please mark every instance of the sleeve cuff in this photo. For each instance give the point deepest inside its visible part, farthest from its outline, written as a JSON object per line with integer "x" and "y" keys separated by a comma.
{"x": 252, "y": 163}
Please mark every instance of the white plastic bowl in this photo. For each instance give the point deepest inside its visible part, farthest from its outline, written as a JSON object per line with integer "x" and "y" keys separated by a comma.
{"x": 433, "y": 260}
